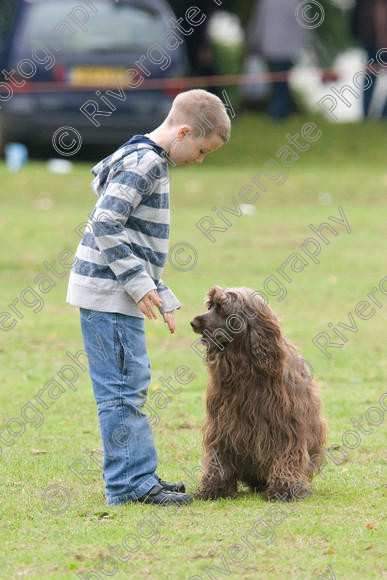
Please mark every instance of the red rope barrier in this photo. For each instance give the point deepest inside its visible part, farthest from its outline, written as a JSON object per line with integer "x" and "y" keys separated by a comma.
{"x": 166, "y": 83}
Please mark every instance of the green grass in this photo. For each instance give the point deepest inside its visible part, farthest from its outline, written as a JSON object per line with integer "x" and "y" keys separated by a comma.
{"x": 330, "y": 527}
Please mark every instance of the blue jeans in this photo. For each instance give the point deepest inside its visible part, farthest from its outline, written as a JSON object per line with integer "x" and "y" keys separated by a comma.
{"x": 120, "y": 373}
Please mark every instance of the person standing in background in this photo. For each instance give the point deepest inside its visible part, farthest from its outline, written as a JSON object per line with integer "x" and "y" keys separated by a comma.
{"x": 275, "y": 34}
{"x": 369, "y": 26}
{"x": 197, "y": 44}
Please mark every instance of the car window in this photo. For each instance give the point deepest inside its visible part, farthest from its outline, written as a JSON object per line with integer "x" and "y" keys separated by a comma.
{"x": 113, "y": 28}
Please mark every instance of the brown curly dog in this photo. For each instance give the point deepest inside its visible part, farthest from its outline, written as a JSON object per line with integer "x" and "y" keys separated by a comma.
{"x": 264, "y": 418}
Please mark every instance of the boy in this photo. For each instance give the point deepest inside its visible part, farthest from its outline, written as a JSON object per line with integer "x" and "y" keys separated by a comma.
{"x": 116, "y": 282}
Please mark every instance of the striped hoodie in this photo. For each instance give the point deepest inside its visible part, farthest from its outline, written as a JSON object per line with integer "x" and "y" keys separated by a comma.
{"x": 124, "y": 247}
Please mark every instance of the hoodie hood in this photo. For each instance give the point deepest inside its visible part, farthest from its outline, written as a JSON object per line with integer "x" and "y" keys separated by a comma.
{"x": 101, "y": 171}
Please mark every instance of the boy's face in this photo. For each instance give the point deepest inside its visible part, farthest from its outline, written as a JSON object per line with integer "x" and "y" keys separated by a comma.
{"x": 187, "y": 148}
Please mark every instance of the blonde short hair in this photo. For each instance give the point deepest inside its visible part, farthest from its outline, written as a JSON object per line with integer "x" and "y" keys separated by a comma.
{"x": 199, "y": 107}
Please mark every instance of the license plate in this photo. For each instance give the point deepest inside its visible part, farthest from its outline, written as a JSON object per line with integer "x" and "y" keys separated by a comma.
{"x": 96, "y": 76}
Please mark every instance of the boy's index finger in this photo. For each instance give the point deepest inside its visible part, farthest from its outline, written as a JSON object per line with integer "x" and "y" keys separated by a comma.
{"x": 169, "y": 319}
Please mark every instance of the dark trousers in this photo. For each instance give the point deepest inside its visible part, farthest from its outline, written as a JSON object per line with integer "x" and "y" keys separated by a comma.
{"x": 280, "y": 101}
{"x": 368, "y": 93}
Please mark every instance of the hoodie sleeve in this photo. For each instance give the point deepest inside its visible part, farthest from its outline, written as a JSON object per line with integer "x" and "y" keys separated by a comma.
{"x": 109, "y": 217}
{"x": 170, "y": 302}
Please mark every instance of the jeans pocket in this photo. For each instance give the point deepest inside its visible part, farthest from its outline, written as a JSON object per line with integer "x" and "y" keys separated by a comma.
{"x": 88, "y": 314}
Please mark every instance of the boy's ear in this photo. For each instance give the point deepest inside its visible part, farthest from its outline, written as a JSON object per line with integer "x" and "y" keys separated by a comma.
{"x": 184, "y": 130}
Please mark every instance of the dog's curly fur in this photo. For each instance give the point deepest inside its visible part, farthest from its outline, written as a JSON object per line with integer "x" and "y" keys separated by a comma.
{"x": 262, "y": 428}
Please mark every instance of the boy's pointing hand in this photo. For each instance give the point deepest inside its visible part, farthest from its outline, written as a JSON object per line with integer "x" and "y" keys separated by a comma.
{"x": 146, "y": 304}
{"x": 169, "y": 319}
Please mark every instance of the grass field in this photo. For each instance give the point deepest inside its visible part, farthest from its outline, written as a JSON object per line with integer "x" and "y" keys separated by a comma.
{"x": 340, "y": 525}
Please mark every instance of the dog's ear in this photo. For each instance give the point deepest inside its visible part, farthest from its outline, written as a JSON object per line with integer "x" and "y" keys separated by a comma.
{"x": 266, "y": 348}
{"x": 215, "y": 292}
{"x": 216, "y": 295}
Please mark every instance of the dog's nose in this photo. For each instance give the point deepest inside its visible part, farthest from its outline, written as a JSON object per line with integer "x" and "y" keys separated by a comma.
{"x": 194, "y": 325}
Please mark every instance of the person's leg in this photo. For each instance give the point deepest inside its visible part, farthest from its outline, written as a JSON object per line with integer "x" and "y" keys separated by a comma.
{"x": 279, "y": 104}
{"x": 120, "y": 382}
{"x": 371, "y": 93}
{"x": 367, "y": 97}
{"x": 368, "y": 93}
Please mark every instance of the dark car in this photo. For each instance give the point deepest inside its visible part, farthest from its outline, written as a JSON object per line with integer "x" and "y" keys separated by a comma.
{"x": 82, "y": 65}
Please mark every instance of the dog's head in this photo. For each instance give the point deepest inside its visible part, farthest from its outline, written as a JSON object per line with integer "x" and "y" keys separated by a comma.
{"x": 238, "y": 320}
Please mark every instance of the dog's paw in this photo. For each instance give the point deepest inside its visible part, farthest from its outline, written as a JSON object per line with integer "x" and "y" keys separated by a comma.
{"x": 212, "y": 494}
{"x": 202, "y": 496}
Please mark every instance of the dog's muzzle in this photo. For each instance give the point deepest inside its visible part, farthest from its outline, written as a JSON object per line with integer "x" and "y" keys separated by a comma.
{"x": 195, "y": 326}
